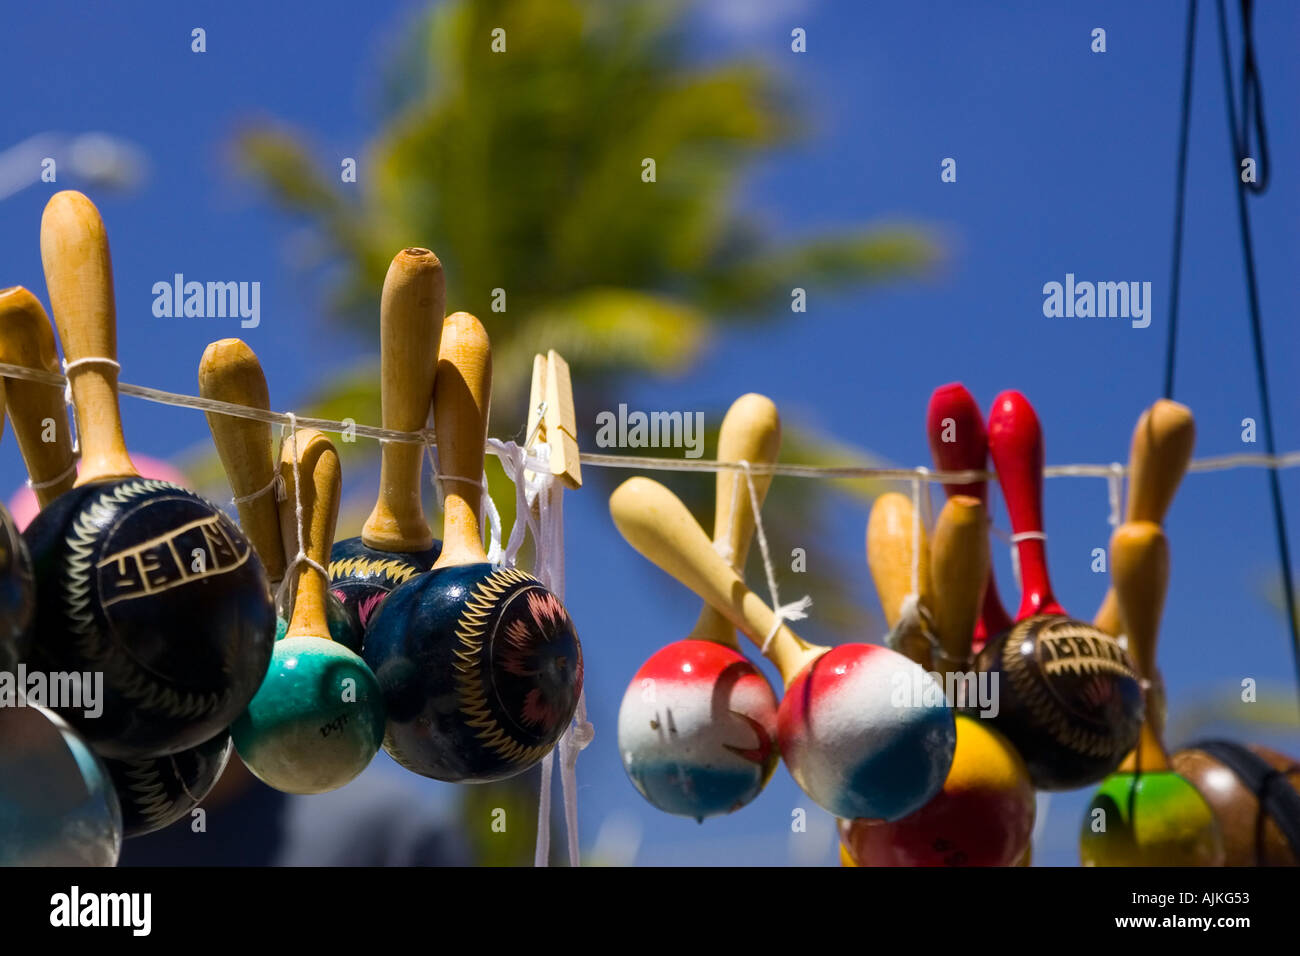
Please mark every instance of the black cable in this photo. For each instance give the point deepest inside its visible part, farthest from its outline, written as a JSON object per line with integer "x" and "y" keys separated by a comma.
{"x": 1252, "y": 103}
{"x": 1179, "y": 192}
{"x": 1252, "y": 291}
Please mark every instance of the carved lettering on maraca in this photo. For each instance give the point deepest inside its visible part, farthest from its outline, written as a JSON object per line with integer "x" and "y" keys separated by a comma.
{"x": 97, "y": 647}
{"x": 1082, "y": 653}
{"x": 159, "y": 564}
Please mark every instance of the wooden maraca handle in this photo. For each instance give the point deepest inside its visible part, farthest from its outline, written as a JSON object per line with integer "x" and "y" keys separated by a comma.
{"x": 320, "y": 479}
{"x": 751, "y": 431}
{"x": 1016, "y": 446}
{"x": 230, "y": 372}
{"x": 462, "y": 393}
{"x": 1139, "y": 567}
{"x": 1158, "y": 458}
{"x": 959, "y": 566}
{"x": 27, "y": 338}
{"x": 889, "y": 555}
{"x": 656, "y": 523}
{"x": 79, "y": 276}
{"x": 410, "y": 319}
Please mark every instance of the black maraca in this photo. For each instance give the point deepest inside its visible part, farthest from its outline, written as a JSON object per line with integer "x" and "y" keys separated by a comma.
{"x": 480, "y": 664}
{"x": 140, "y": 580}
{"x": 152, "y": 792}
{"x": 395, "y": 543}
{"x": 1069, "y": 695}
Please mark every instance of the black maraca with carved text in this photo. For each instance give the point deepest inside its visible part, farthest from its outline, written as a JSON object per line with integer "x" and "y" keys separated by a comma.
{"x": 141, "y": 580}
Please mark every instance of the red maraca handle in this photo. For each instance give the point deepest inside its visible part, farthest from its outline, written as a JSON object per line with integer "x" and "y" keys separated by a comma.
{"x": 968, "y": 451}
{"x": 1016, "y": 444}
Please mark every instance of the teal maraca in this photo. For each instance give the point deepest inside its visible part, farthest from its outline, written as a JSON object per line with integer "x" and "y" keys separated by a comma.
{"x": 318, "y": 718}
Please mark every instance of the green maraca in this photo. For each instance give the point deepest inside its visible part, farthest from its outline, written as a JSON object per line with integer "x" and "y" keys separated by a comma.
{"x": 318, "y": 718}
{"x": 1146, "y": 814}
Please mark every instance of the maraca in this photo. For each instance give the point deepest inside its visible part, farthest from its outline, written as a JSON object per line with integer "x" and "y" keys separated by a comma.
{"x": 1161, "y": 450}
{"x": 1255, "y": 795}
{"x": 1070, "y": 699}
{"x": 1146, "y": 814}
{"x": 25, "y": 339}
{"x": 318, "y": 718}
{"x": 697, "y": 726}
{"x": 229, "y": 372}
{"x": 141, "y": 580}
{"x": 480, "y": 665}
{"x": 863, "y": 730}
{"x": 890, "y": 553}
{"x": 152, "y": 792}
{"x": 959, "y": 442}
{"x": 156, "y": 792}
{"x": 395, "y": 543}
{"x": 57, "y": 806}
{"x": 984, "y": 815}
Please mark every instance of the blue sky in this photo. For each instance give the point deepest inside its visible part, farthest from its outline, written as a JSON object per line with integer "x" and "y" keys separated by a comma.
{"x": 1065, "y": 163}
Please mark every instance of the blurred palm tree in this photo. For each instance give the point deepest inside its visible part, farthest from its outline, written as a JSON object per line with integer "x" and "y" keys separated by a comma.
{"x": 523, "y": 169}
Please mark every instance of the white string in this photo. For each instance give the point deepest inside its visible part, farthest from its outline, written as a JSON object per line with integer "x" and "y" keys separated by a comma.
{"x": 67, "y": 396}
{"x": 276, "y": 485}
{"x": 1114, "y": 488}
{"x": 913, "y": 615}
{"x": 1014, "y": 540}
{"x": 426, "y": 436}
{"x": 795, "y": 610}
{"x": 41, "y": 485}
{"x": 290, "y": 577}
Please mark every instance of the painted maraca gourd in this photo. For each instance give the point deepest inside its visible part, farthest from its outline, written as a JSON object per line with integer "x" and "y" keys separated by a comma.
{"x": 139, "y": 579}
{"x": 984, "y": 815}
{"x": 697, "y": 725}
{"x": 318, "y": 718}
{"x": 1070, "y": 699}
{"x": 57, "y": 805}
{"x": 157, "y": 792}
{"x": 26, "y": 338}
{"x": 863, "y": 730}
{"x": 959, "y": 441}
{"x": 395, "y": 543}
{"x": 480, "y": 664}
{"x": 1146, "y": 814}
{"x": 1255, "y": 795}
{"x": 151, "y": 792}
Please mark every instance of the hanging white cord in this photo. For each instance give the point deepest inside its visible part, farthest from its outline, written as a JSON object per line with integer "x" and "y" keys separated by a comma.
{"x": 795, "y": 610}
{"x": 1114, "y": 492}
{"x": 290, "y": 577}
{"x": 535, "y": 485}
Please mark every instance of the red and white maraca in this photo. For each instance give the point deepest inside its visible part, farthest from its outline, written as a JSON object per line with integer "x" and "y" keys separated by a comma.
{"x": 697, "y": 727}
{"x": 863, "y": 730}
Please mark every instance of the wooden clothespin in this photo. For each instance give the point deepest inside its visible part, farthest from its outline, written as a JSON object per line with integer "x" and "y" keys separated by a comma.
{"x": 551, "y": 418}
